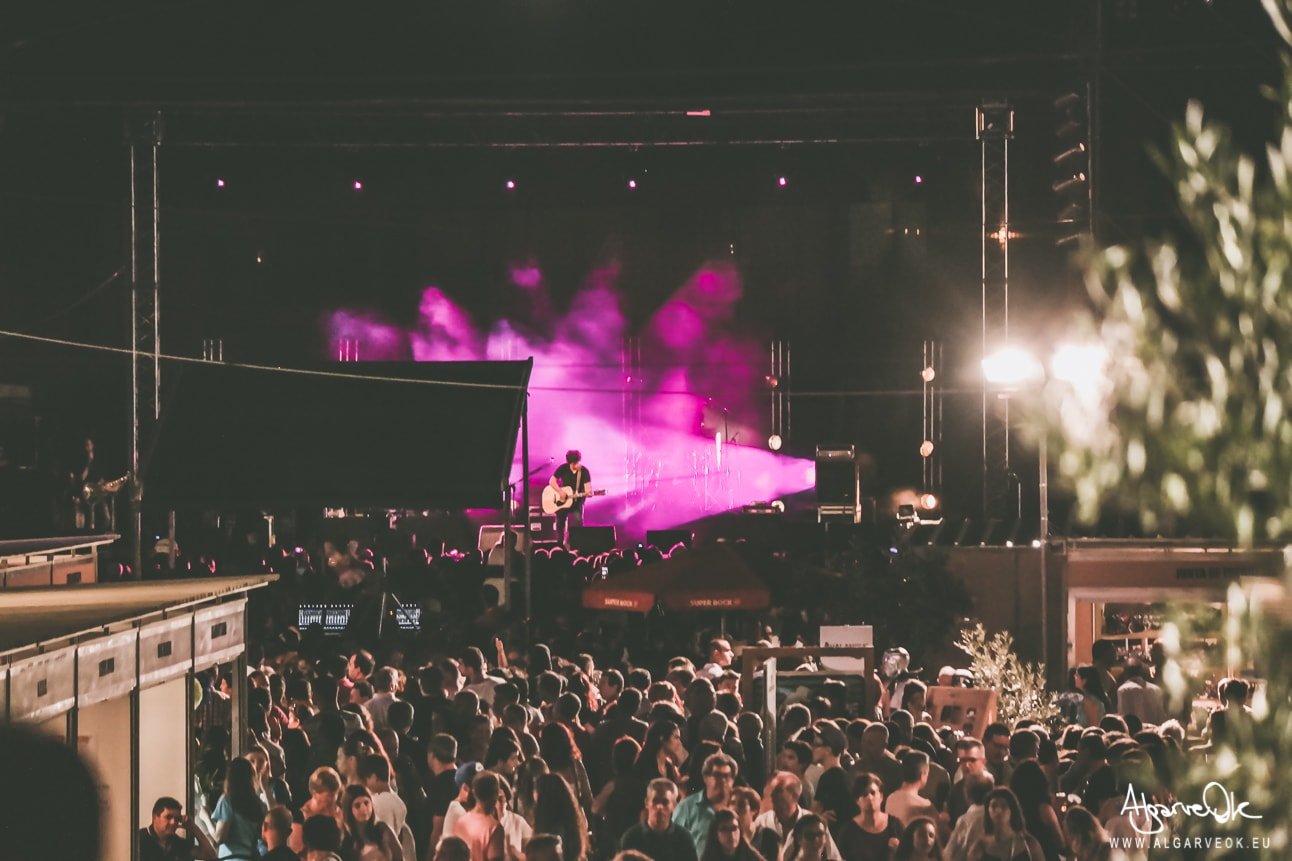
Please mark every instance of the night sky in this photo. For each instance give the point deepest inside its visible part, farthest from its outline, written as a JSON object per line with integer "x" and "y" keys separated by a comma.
{"x": 291, "y": 103}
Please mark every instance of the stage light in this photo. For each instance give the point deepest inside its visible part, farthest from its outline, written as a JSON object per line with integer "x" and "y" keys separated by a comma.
{"x": 219, "y": 183}
{"x": 782, "y": 181}
{"x": 511, "y": 185}
{"x": 779, "y": 505}
{"x": 774, "y": 442}
{"x": 358, "y": 185}
{"x": 919, "y": 180}
{"x": 632, "y": 184}
{"x": 928, "y": 501}
{"x": 928, "y": 374}
{"x": 1012, "y": 367}
{"x": 926, "y": 448}
{"x": 1071, "y": 182}
{"x": 259, "y": 259}
{"x": 1070, "y": 152}
{"x": 771, "y": 381}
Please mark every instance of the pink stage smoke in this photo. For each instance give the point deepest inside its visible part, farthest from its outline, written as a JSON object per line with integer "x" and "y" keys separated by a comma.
{"x": 697, "y": 381}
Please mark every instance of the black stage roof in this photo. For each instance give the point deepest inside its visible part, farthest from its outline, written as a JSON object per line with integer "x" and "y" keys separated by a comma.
{"x": 376, "y": 434}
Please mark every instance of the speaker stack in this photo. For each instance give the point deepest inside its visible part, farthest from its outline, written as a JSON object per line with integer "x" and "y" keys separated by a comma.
{"x": 838, "y": 484}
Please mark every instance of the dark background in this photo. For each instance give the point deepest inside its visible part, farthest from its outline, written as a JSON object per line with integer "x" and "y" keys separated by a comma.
{"x": 290, "y": 102}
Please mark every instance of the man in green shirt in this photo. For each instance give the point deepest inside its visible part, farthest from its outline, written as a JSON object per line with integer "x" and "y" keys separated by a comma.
{"x": 697, "y": 810}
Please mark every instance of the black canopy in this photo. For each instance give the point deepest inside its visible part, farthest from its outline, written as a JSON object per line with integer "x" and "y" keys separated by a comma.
{"x": 413, "y": 434}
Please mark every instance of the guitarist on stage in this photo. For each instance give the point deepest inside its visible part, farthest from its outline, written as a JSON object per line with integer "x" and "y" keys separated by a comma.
{"x": 573, "y": 475}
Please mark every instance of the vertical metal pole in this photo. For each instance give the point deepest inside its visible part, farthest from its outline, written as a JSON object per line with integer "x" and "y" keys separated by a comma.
{"x": 1044, "y": 494}
{"x": 529, "y": 544}
{"x": 507, "y": 498}
{"x": 136, "y": 521}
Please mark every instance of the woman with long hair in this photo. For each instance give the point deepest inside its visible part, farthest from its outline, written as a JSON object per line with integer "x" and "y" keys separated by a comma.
{"x": 871, "y": 835}
{"x": 238, "y": 813}
{"x": 558, "y": 813}
{"x": 356, "y": 746}
{"x": 727, "y": 841}
{"x": 1032, "y": 788}
{"x": 1005, "y": 837}
{"x": 661, "y": 753}
{"x": 296, "y": 753}
{"x": 525, "y": 797}
{"x": 1087, "y": 839}
{"x": 367, "y": 839}
{"x": 619, "y": 804}
{"x": 919, "y": 842}
{"x": 1089, "y": 682}
{"x": 556, "y": 746}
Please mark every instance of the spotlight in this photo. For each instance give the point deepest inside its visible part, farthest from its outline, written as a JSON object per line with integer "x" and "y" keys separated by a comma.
{"x": 772, "y": 381}
{"x": 219, "y": 183}
{"x": 774, "y": 442}
{"x": 782, "y": 181}
{"x": 511, "y": 185}
{"x": 358, "y": 185}
{"x": 928, "y": 374}
{"x": 919, "y": 180}
{"x": 1071, "y": 182}
{"x": 926, "y": 448}
{"x": 928, "y": 501}
{"x": 1070, "y": 152}
{"x": 779, "y": 505}
{"x": 632, "y": 183}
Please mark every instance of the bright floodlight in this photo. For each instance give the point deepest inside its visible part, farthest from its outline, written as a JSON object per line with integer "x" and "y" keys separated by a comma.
{"x": 782, "y": 181}
{"x": 1012, "y": 366}
{"x": 928, "y": 501}
{"x": 632, "y": 183}
{"x": 1079, "y": 364}
{"x": 774, "y": 442}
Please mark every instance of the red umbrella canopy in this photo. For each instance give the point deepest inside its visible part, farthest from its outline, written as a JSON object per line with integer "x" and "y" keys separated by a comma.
{"x": 713, "y": 578}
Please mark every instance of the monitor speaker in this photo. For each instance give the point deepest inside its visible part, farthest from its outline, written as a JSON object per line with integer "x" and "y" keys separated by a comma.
{"x": 589, "y": 540}
{"x": 666, "y": 539}
{"x": 490, "y": 534}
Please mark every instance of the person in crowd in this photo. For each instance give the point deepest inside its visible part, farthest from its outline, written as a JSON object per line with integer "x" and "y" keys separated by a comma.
{"x": 695, "y": 812}
{"x": 971, "y": 760}
{"x": 727, "y": 840}
{"x": 874, "y": 757}
{"x": 384, "y": 681}
{"x": 774, "y": 828}
{"x": 481, "y": 826}
{"x": 453, "y": 849}
{"x": 919, "y": 842}
{"x": 1138, "y": 696}
{"x": 275, "y": 833}
{"x": 556, "y": 746}
{"x": 442, "y": 787}
{"x": 720, "y": 658}
{"x": 905, "y": 802}
{"x": 322, "y": 838}
{"x": 238, "y": 813}
{"x": 1103, "y": 654}
{"x": 618, "y": 806}
{"x": 366, "y": 837}
{"x": 557, "y": 812}
{"x": 969, "y": 826}
{"x": 387, "y": 806}
{"x": 1004, "y": 835}
{"x": 325, "y": 795}
{"x": 160, "y": 841}
{"x": 796, "y": 757}
{"x": 809, "y": 841}
{"x": 525, "y": 798}
{"x": 1032, "y": 790}
{"x": 871, "y": 835}
{"x": 478, "y": 680}
{"x": 995, "y": 744}
{"x": 545, "y": 847}
{"x": 1087, "y": 839}
{"x": 657, "y": 835}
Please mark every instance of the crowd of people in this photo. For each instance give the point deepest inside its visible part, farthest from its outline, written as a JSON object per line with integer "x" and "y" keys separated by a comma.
{"x": 453, "y": 747}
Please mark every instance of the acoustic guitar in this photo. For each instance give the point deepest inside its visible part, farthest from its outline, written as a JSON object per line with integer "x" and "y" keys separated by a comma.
{"x": 557, "y": 500}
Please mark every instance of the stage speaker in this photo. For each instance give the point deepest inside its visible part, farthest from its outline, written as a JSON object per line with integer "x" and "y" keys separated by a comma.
{"x": 542, "y": 527}
{"x": 667, "y": 539}
{"x": 589, "y": 540}
{"x": 490, "y": 534}
{"x": 838, "y": 476}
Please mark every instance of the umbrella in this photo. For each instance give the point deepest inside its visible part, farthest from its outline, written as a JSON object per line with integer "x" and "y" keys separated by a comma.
{"x": 713, "y": 578}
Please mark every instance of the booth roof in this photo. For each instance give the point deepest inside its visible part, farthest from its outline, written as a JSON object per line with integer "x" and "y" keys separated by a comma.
{"x": 54, "y": 613}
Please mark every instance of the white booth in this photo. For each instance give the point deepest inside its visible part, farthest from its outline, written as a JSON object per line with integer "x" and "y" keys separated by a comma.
{"x": 109, "y": 667}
